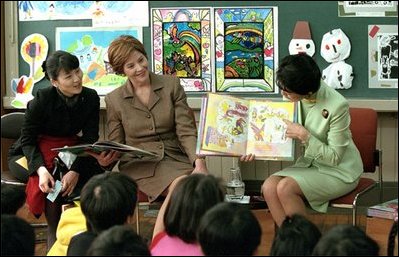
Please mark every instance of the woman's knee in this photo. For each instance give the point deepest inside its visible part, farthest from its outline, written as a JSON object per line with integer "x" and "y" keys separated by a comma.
{"x": 286, "y": 188}
{"x": 269, "y": 186}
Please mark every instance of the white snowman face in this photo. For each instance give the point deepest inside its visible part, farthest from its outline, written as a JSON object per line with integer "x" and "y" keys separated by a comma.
{"x": 335, "y": 46}
{"x": 298, "y": 46}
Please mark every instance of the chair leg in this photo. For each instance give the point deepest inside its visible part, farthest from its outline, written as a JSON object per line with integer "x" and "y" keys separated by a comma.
{"x": 354, "y": 212}
{"x": 137, "y": 219}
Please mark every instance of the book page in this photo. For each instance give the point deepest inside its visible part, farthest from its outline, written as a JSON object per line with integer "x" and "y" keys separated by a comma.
{"x": 225, "y": 125}
{"x": 266, "y": 129}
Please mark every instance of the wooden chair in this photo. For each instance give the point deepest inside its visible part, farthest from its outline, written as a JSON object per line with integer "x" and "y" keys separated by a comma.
{"x": 364, "y": 132}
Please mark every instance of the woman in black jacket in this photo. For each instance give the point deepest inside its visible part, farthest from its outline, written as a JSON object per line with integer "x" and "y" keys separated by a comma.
{"x": 64, "y": 114}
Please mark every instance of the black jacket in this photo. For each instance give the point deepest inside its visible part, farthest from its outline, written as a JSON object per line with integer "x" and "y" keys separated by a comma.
{"x": 48, "y": 114}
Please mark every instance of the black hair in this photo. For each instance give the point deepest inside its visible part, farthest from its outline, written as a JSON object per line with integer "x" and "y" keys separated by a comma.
{"x": 296, "y": 236}
{"x": 229, "y": 229}
{"x": 299, "y": 74}
{"x": 13, "y": 197}
{"x": 108, "y": 199}
{"x": 119, "y": 240}
{"x": 190, "y": 199}
{"x": 393, "y": 233}
{"x": 17, "y": 236}
{"x": 57, "y": 61}
{"x": 346, "y": 240}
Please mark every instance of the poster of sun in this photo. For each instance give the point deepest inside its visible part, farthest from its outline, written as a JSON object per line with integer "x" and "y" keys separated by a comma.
{"x": 246, "y": 49}
{"x": 90, "y": 46}
{"x": 181, "y": 45}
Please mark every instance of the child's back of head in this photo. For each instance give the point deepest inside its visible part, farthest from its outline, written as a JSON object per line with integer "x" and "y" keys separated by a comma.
{"x": 17, "y": 236}
{"x": 229, "y": 229}
{"x": 296, "y": 236}
{"x": 108, "y": 199}
{"x": 189, "y": 201}
{"x": 119, "y": 240}
{"x": 346, "y": 240}
{"x": 13, "y": 198}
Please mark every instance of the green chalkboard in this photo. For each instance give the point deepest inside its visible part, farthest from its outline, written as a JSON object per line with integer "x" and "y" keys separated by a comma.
{"x": 322, "y": 17}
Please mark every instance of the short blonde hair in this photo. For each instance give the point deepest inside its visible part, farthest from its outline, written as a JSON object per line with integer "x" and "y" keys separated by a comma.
{"x": 120, "y": 49}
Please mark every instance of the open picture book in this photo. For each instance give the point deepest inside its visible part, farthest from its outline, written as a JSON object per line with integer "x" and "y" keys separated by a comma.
{"x": 101, "y": 146}
{"x": 234, "y": 126}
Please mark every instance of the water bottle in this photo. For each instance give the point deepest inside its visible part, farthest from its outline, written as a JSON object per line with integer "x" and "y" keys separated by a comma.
{"x": 235, "y": 187}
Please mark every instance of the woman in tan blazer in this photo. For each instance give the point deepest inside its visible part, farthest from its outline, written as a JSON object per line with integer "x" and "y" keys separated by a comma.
{"x": 150, "y": 112}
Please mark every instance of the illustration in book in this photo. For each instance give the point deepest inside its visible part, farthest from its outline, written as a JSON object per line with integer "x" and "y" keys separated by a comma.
{"x": 100, "y": 146}
{"x": 233, "y": 126}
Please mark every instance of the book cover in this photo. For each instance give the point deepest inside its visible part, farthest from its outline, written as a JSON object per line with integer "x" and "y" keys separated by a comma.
{"x": 101, "y": 146}
{"x": 234, "y": 126}
{"x": 386, "y": 210}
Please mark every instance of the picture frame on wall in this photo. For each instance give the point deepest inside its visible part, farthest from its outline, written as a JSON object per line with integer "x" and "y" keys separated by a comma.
{"x": 368, "y": 8}
{"x": 246, "y": 50}
{"x": 181, "y": 45}
{"x": 383, "y": 56}
{"x": 90, "y": 45}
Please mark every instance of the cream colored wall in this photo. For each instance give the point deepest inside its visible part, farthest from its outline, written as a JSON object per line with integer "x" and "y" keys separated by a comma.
{"x": 387, "y": 140}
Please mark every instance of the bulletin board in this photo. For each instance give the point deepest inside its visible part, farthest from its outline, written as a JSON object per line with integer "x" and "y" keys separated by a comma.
{"x": 322, "y": 17}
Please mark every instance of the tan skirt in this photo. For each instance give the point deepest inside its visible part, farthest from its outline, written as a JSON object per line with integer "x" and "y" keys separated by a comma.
{"x": 166, "y": 171}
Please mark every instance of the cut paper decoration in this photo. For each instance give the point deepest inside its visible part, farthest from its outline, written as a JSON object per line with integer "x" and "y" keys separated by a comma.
{"x": 34, "y": 49}
{"x": 301, "y": 41}
{"x": 340, "y": 75}
{"x": 335, "y": 48}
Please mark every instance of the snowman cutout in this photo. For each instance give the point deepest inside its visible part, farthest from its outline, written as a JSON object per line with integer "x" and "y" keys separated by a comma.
{"x": 301, "y": 42}
{"x": 335, "y": 48}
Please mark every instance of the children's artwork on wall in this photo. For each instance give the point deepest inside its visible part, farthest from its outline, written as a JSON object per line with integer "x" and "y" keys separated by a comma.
{"x": 181, "y": 46}
{"x": 103, "y": 13}
{"x": 90, "y": 46}
{"x": 335, "y": 48}
{"x": 383, "y": 56}
{"x": 245, "y": 49}
{"x": 34, "y": 49}
{"x": 301, "y": 41}
{"x": 367, "y": 8}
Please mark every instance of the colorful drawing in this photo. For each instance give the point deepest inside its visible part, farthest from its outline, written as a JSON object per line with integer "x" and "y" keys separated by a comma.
{"x": 90, "y": 46}
{"x": 34, "y": 49}
{"x": 103, "y": 13}
{"x": 383, "y": 56}
{"x": 245, "y": 49}
{"x": 181, "y": 46}
{"x": 233, "y": 126}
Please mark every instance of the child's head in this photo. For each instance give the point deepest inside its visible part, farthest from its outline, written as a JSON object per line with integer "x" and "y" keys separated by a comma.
{"x": 108, "y": 199}
{"x": 229, "y": 229}
{"x": 13, "y": 198}
{"x": 346, "y": 240}
{"x": 17, "y": 236}
{"x": 190, "y": 199}
{"x": 119, "y": 240}
{"x": 296, "y": 236}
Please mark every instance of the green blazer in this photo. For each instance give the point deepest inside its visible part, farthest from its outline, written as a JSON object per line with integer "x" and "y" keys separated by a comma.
{"x": 330, "y": 148}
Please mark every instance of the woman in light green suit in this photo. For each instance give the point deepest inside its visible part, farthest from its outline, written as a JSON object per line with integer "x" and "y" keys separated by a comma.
{"x": 331, "y": 164}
